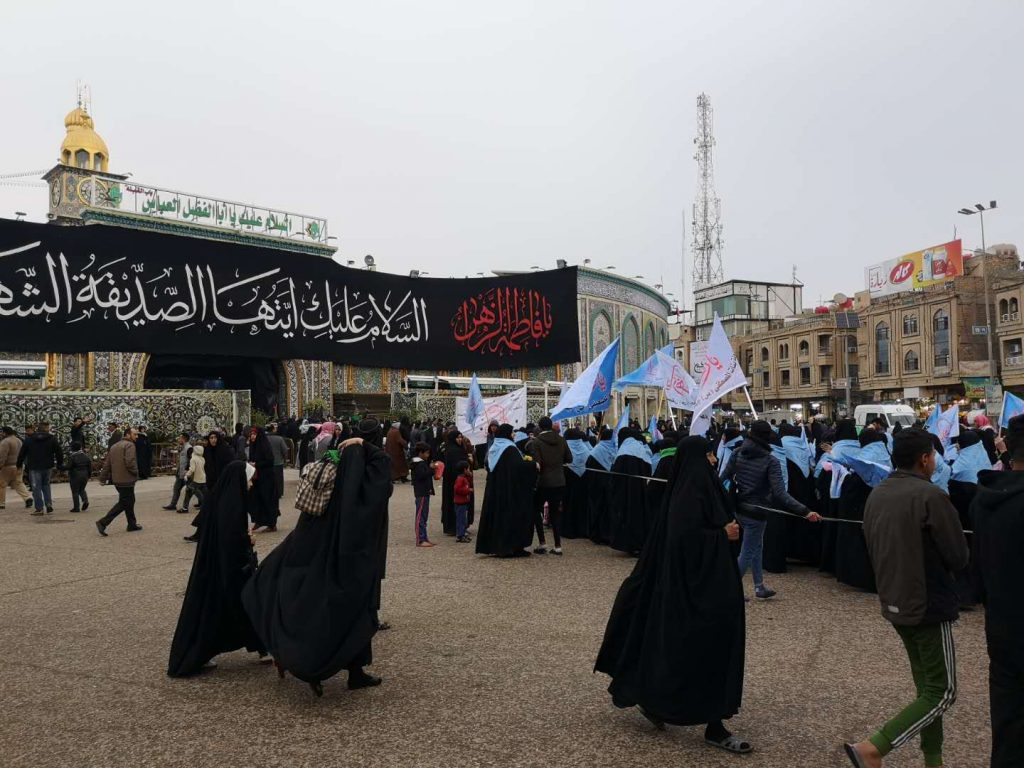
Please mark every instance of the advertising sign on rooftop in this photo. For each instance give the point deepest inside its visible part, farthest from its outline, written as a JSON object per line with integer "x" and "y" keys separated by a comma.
{"x": 919, "y": 269}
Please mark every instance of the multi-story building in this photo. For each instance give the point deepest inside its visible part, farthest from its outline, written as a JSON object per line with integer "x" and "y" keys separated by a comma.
{"x": 929, "y": 343}
{"x": 797, "y": 364}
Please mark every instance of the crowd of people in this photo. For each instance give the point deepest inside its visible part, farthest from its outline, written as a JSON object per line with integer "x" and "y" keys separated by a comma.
{"x": 932, "y": 525}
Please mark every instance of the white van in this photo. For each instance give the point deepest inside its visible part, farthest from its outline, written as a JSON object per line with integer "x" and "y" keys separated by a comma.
{"x": 892, "y": 414}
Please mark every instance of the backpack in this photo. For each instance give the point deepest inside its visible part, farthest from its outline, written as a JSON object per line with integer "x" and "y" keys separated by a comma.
{"x": 316, "y": 487}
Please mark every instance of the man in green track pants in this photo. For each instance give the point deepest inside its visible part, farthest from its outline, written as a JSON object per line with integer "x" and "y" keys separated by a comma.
{"x": 916, "y": 542}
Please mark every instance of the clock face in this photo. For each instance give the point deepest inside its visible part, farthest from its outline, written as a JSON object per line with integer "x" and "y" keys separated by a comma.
{"x": 56, "y": 189}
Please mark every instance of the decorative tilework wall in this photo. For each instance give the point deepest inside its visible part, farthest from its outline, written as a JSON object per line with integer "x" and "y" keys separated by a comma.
{"x": 165, "y": 413}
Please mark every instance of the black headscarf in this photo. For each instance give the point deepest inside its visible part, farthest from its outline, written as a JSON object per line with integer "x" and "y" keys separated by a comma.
{"x": 212, "y": 618}
{"x": 846, "y": 429}
{"x": 674, "y": 644}
{"x": 869, "y": 436}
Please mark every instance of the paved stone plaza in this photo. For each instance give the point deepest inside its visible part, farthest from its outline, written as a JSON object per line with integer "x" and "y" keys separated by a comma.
{"x": 488, "y": 662}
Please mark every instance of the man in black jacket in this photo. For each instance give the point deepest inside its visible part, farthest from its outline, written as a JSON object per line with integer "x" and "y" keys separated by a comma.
{"x": 998, "y": 515}
{"x": 40, "y": 454}
{"x": 758, "y": 478}
{"x": 916, "y": 543}
{"x": 551, "y": 452}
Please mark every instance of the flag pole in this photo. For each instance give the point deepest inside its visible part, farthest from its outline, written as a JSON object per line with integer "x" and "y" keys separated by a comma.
{"x": 750, "y": 402}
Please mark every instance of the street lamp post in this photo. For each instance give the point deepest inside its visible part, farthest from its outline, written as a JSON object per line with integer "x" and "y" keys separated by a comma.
{"x": 980, "y": 209}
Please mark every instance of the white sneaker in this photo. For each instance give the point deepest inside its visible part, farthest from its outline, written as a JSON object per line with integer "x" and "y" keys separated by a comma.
{"x": 556, "y": 551}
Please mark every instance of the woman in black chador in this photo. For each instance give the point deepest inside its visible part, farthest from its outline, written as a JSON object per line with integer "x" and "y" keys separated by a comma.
{"x": 454, "y": 452}
{"x": 675, "y": 640}
{"x": 263, "y": 500}
{"x": 313, "y": 601}
{"x": 212, "y": 619}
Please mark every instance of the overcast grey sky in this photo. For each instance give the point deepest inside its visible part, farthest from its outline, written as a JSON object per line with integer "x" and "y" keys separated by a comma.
{"x": 464, "y": 136}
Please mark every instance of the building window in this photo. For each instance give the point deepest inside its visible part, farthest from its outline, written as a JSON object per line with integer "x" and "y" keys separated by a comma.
{"x": 940, "y": 329}
{"x": 1013, "y": 352}
{"x": 824, "y": 344}
{"x": 82, "y": 159}
{"x": 805, "y": 375}
{"x": 1014, "y": 309}
{"x": 805, "y": 348}
{"x": 1004, "y": 310}
{"x": 910, "y": 325}
{"x": 882, "y": 349}
{"x": 911, "y": 363}
{"x": 783, "y": 351}
{"x": 766, "y": 379}
{"x": 764, "y": 355}
{"x": 824, "y": 373}
{"x": 750, "y": 360}
{"x": 785, "y": 378}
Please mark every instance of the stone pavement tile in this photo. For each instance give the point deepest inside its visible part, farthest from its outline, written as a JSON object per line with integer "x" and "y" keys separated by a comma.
{"x": 488, "y": 664}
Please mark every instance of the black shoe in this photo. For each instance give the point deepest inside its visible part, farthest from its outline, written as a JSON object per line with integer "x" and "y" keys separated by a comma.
{"x": 194, "y": 538}
{"x": 132, "y": 528}
{"x": 75, "y": 511}
{"x": 28, "y": 503}
{"x": 182, "y": 511}
{"x": 362, "y": 680}
{"x": 101, "y": 528}
{"x": 168, "y": 507}
{"x": 540, "y": 550}
{"x": 85, "y": 506}
{"x": 49, "y": 510}
{"x": 654, "y": 720}
{"x": 318, "y": 689}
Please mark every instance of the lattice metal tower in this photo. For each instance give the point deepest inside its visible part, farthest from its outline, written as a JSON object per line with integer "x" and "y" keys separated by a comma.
{"x": 707, "y": 210}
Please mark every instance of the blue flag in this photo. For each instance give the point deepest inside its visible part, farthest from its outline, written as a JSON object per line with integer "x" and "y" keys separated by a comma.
{"x": 475, "y": 403}
{"x": 653, "y": 431}
{"x": 1012, "y": 406}
{"x": 592, "y": 391}
{"x": 932, "y": 423}
{"x": 623, "y": 422}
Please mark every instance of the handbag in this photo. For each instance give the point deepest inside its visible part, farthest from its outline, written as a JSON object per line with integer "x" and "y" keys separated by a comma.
{"x": 315, "y": 488}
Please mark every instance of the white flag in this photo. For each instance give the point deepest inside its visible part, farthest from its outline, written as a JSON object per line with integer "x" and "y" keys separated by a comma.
{"x": 700, "y": 423}
{"x": 506, "y": 409}
{"x": 722, "y": 371}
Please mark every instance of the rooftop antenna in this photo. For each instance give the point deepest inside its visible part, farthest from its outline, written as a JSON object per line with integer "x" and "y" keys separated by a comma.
{"x": 707, "y": 210}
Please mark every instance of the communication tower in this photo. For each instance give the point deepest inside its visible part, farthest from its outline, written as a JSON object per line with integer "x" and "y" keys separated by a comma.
{"x": 707, "y": 210}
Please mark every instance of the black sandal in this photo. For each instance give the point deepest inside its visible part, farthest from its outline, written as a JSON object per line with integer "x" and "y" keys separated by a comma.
{"x": 733, "y": 744}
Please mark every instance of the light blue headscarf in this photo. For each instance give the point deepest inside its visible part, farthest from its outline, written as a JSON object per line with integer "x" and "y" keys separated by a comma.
{"x": 942, "y": 473}
{"x": 633, "y": 447}
{"x": 724, "y": 452}
{"x": 498, "y": 447}
{"x": 872, "y": 464}
{"x": 970, "y": 462}
{"x": 780, "y": 455}
{"x": 604, "y": 453}
{"x": 841, "y": 449}
{"x": 796, "y": 451}
{"x": 581, "y": 450}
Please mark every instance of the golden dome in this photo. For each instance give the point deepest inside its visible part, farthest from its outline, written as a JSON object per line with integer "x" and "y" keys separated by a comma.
{"x": 83, "y": 147}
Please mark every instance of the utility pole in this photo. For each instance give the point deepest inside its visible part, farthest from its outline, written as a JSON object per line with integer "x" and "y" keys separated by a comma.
{"x": 980, "y": 209}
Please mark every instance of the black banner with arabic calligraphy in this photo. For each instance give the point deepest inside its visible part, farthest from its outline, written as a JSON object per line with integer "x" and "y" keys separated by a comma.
{"x": 78, "y": 289}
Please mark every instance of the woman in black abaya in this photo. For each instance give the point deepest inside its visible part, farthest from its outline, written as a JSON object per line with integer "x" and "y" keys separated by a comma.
{"x": 628, "y": 492}
{"x": 217, "y": 456}
{"x": 453, "y": 454}
{"x": 263, "y": 500}
{"x": 506, "y": 518}
{"x": 313, "y": 601}
{"x": 674, "y": 644}
{"x": 212, "y": 619}
{"x": 575, "y": 515}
